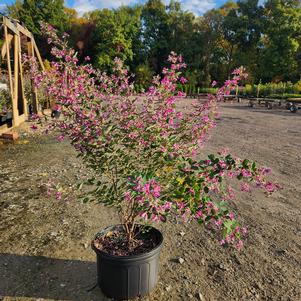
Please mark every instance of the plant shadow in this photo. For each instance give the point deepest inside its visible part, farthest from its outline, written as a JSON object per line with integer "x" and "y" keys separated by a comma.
{"x": 38, "y": 277}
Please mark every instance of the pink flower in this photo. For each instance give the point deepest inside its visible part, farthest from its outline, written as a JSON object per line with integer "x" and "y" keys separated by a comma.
{"x": 206, "y": 119}
{"x": 144, "y": 215}
{"x": 58, "y": 195}
{"x": 228, "y": 239}
{"x": 61, "y": 138}
{"x": 181, "y": 94}
{"x": 50, "y": 27}
{"x": 156, "y": 191}
{"x": 214, "y": 83}
{"x": 246, "y": 173}
{"x": 179, "y": 115}
{"x": 167, "y": 205}
{"x": 270, "y": 187}
{"x": 127, "y": 196}
{"x": 199, "y": 214}
{"x": 244, "y": 231}
{"x": 230, "y": 174}
{"x": 222, "y": 164}
{"x": 154, "y": 218}
{"x": 183, "y": 80}
{"x": 58, "y": 107}
{"x": 266, "y": 171}
{"x": 170, "y": 122}
{"x": 245, "y": 187}
{"x": 231, "y": 216}
{"x": 146, "y": 188}
{"x": 239, "y": 245}
{"x": 181, "y": 206}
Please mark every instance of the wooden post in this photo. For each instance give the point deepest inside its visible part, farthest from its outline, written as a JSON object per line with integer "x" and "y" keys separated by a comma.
{"x": 35, "y": 100}
{"x": 8, "y": 39}
{"x": 16, "y": 82}
{"x": 4, "y": 49}
{"x": 36, "y": 51}
{"x": 24, "y": 100}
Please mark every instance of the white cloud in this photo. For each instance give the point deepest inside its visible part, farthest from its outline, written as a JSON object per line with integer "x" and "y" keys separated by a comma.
{"x": 196, "y": 6}
{"x": 2, "y": 7}
{"x": 83, "y": 6}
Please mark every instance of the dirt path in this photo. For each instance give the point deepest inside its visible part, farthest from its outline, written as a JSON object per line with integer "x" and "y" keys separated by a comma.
{"x": 44, "y": 244}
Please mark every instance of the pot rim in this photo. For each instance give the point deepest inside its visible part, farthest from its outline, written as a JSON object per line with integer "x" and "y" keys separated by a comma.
{"x": 128, "y": 257}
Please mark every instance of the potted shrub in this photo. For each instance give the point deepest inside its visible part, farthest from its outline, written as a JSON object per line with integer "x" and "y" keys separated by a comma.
{"x": 5, "y": 106}
{"x": 145, "y": 152}
{"x": 56, "y": 111}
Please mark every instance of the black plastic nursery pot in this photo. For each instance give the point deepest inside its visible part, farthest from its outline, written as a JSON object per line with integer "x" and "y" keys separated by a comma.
{"x": 55, "y": 114}
{"x": 2, "y": 119}
{"x": 126, "y": 277}
{"x": 9, "y": 115}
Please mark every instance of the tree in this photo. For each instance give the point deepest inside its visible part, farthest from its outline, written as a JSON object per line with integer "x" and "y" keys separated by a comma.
{"x": 32, "y": 12}
{"x": 218, "y": 49}
{"x": 281, "y": 41}
{"x": 50, "y": 11}
{"x": 143, "y": 75}
{"x": 114, "y": 33}
{"x": 155, "y": 33}
{"x": 243, "y": 27}
{"x": 80, "y": 30}
{"x": 13, "y": 10}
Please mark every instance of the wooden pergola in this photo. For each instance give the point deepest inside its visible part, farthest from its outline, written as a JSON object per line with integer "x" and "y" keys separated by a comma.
{"x": 11, "y": 52}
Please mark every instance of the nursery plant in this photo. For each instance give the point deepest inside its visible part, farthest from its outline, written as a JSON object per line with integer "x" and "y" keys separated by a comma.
{"x": 5, "y": 103}
{"x": 145, "y": 152}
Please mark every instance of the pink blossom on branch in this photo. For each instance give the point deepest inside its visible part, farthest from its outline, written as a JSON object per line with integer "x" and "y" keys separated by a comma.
{"x": 142, "y": 148}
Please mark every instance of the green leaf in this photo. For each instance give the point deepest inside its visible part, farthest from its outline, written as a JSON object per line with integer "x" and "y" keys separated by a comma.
{"x": 211, "y": 157}
{"x": 223, "y": 206}
{"x": 79, "y": 186}
{"x": 229, "y": 226}
{"x": 240, "y": 176}
{"x": 245, "y": 163}
{"x": 200, "y": 221}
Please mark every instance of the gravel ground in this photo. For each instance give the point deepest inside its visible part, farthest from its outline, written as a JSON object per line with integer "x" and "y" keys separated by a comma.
{"x": 45, "y": 244}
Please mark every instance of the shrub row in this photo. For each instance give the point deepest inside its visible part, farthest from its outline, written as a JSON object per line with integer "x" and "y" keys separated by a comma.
{"x": 279, "y": 90}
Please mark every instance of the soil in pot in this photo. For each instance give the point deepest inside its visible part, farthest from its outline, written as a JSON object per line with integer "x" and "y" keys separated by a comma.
{"x": 115, "y": 241}
{"x": 127, "y": 272}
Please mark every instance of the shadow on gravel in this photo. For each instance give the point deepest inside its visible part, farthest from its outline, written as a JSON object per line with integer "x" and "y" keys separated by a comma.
{"x": 275, "y": 111}
{"x": 47, "y": 278}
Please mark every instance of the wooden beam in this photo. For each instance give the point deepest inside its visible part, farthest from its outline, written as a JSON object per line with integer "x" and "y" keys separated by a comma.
{"x": 11, "y": 26}
{"x": 3, "y": 128}
{"x": 3, "y": 50}
{"x": 16, "y": 27}
{"x": 11, "y": 87}
{"x": 36, "y": 51}
{"x": 24, "y": 30}
{"x": 24, "y": 101}
{"x": 34, "y": 90}
{"x": 16, "y": 121}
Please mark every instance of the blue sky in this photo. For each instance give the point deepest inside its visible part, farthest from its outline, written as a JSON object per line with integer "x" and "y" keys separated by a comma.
{"x": 82, "y": 6}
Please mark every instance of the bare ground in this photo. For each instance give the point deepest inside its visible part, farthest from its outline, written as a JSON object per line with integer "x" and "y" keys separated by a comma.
{"x": 45, "y": 244}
